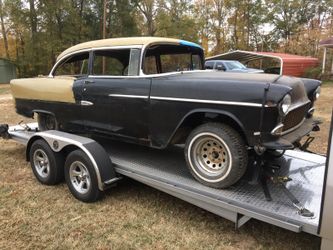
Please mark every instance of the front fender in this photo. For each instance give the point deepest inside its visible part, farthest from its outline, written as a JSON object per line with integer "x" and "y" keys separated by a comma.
{"x": 210, "y": 112}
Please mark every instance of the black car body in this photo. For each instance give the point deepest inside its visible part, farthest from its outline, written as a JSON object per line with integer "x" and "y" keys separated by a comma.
{"x": 154, "y": 91}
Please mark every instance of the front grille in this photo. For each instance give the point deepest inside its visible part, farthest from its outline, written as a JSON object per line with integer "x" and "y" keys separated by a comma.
{"x": 295, "y": 117}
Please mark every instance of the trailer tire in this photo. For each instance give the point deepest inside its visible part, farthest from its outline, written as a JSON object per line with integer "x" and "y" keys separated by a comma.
{"x": 81, "y": 177}
{"x": 216, "y": 155}
{"x": 47, "y": 165}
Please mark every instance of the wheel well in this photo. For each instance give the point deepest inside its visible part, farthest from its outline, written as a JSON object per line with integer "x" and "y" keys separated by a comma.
{"x": 197, "y": 119}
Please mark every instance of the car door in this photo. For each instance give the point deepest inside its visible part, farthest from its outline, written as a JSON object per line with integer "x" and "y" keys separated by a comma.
{"x": 115, "y": 99}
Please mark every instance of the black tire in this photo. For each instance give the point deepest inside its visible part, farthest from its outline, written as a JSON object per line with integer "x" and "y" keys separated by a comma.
{"x": 47, "y": 166}
{"x": 47, "y": 122}
{"x": 216, "y": 155}
{"x": 78, "y": 162}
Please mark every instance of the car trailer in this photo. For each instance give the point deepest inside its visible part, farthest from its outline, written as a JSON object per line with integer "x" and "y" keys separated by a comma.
{"x": 294, "y": 192}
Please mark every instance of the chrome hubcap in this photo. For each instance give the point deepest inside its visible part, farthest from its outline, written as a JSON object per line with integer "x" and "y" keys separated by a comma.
{"x": 211, "y": 155}
{"x": 41, "y": 163}
{"x": 80, "y": 177}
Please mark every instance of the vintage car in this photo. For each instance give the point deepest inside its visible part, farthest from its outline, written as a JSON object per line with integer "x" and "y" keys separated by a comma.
{"x": 154, "y": 91}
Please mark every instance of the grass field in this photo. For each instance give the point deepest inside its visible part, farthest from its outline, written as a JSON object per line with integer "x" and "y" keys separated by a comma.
{"x": 131, "y": 215}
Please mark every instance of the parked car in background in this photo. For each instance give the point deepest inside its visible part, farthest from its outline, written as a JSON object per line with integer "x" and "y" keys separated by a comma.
{"x": 155, "y": 91}
{"x": 230, "y": 66}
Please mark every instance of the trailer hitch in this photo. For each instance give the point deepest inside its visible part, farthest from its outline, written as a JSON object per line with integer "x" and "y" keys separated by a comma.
{"x": 4, "y": 131}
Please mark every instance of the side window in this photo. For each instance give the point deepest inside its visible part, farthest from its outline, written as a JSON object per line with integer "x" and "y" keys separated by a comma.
{"x": 150, "y": 66}
{"x": 121, "y": 62}
{"x": 219, "y": 66}
{"x": 209, "y": 65}
{"x": 75, "y": 65}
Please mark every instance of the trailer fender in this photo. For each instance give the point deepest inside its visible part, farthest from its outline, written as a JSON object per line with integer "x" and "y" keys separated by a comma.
{"x": 60, "y": 141}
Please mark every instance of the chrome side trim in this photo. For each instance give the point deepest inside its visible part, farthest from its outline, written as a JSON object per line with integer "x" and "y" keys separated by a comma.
{"x": 129, "y": 96}
{"x": 248, "y": 104}
{"x": 86, "y": 103}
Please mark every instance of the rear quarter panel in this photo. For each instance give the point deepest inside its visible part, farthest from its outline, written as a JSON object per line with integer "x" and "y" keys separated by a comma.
{"x": 58, "y": 89}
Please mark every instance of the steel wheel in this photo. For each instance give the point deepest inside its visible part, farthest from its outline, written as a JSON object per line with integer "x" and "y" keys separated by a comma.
{"x": 41, "y": 163}
{"x": 80, "y": 177}
{"x": 216, "y": 155}
{"x": 212, "y": 155}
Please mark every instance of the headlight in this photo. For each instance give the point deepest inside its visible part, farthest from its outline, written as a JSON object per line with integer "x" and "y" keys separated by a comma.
{"x": 316, "y": 94}
{"x": 285, "y": 104}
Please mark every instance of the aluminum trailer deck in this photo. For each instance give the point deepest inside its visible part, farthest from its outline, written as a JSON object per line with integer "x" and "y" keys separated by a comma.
{"x": 166, "y": 170}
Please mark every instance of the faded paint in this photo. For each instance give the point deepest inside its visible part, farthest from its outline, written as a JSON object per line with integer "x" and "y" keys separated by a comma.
{"x": 57, "y": 89}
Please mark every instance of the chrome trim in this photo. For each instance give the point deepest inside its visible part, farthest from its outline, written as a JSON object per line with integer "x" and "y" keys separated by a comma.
{"x": 92, "y": 49}
{"x": 273, "y": 132}
{"x": 311, "y": 111}
{"x": 86, "y": 103}
{"x": 64, "y": 57}
{"x": 297, "y": 106}
{"x": 293, "y": 128}
{"x": 129, "y": 96}
{"x": 249, "y": 104}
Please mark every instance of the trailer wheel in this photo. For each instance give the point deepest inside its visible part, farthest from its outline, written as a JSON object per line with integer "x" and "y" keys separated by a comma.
{"x": 46, "y": 165}
{"x": 81, "y": 177}
{"x": 216, "y": 155}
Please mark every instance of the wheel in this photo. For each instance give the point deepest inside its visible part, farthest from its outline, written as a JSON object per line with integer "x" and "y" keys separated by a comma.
{"x": 46, "y": 122}
{"x": 216, "y": 155}
{"x": 81, "y": 177}
{"x": 46, "y": 165}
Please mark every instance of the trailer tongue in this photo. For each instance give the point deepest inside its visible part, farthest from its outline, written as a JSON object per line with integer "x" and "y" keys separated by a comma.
{"x": 292, "y": 197}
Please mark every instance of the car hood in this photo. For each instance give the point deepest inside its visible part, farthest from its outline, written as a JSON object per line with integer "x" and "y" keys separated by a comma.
{"x": 292, "y": 85}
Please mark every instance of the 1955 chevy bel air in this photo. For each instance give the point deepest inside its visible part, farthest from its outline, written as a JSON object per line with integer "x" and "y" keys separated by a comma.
{"x": 154, "y": 91}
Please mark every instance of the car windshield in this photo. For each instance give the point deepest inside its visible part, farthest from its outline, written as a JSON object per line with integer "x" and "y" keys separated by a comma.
{"x": 172, "y": 58}
{"x": 231, "y": 65}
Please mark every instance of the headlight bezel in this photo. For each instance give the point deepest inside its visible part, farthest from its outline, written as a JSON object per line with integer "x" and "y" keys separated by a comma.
{"x": 284, "y": 105}
{"x": 316, "y": 93}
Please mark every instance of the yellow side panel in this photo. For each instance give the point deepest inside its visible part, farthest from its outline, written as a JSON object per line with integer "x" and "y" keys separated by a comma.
{"x": 58, "y": 89}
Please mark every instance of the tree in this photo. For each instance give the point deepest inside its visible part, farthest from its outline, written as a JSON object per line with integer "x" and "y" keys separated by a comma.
{"x": 3, "y": 29}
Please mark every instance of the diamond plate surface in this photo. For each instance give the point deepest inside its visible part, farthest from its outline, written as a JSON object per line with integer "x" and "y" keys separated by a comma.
{"x": 306, "y": 170}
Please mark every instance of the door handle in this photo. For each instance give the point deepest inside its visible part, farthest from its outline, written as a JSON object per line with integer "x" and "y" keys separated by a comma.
{"x": 88, "y": 81}
{"x": 86, "y": 103}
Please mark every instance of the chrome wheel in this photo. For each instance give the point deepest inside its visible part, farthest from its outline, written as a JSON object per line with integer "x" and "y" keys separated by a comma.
{"x": 41, "y": 163}
{"x": 210, "y": 155}
{"x": 80, "y": 177}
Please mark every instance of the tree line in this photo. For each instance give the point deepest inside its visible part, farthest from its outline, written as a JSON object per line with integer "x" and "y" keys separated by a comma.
{"x": 34, "y": 32}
